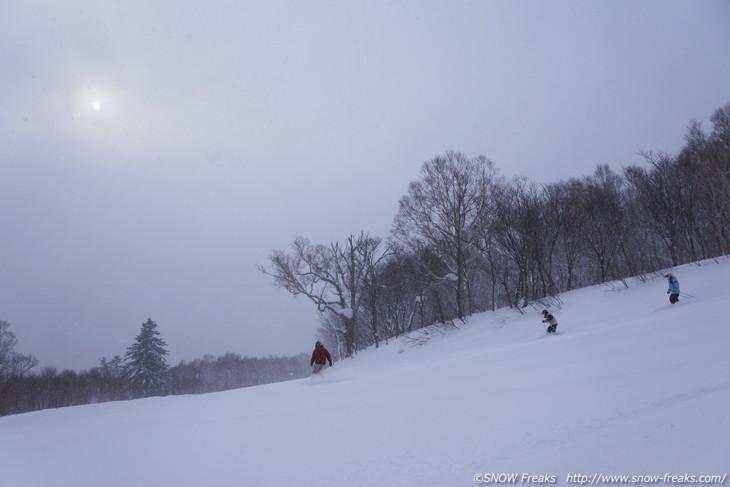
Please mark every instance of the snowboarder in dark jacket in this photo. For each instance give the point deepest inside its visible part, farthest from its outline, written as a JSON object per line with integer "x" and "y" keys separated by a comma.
{"x": 673, "y": 290}
{"x": 548, "y": 318}
{"x": 320, "y": 357}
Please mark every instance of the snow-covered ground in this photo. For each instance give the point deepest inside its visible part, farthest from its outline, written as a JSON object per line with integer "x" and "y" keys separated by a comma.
{"x": 632, "y": 386}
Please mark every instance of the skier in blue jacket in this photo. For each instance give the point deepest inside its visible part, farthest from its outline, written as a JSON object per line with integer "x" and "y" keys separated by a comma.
{"x": 673, "y": 290}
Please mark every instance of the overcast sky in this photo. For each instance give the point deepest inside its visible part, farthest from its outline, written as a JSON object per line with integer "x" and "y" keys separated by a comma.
{"x": 153, "y": 153}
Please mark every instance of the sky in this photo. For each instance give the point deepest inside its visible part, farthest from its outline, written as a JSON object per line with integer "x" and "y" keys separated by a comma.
{"x": 152, "y": 154}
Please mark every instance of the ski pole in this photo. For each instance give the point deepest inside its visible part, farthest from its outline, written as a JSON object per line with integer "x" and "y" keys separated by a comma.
{"x": 687, "y": 295}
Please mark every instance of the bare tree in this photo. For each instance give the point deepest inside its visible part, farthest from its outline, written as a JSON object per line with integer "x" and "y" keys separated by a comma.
{"x": 403, "y": 288}
{"x": 12, "y": 363}
{"x": 603, "y": 204}
{"x": 568, "y": 222}
{"x": 442, "y": 211}
{"x": 709, "y": 159}
{"x": 332, "y": 277}
{"x": 659, "y": 193}
{"x": 522, "y": 235}
{"x": 374, "y": 259}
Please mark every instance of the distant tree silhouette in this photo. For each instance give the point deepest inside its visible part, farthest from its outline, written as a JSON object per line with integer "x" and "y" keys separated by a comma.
{"x": 12, "y": 363}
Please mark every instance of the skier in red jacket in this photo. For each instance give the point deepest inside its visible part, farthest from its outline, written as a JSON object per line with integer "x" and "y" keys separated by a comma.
{"x": 320, "y": 356}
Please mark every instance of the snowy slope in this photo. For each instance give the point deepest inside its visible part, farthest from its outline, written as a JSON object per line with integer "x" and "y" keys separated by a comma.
{"x": 631, "y": 386}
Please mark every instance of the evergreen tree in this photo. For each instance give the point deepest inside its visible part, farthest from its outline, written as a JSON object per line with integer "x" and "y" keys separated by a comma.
{"x": 146, "y": 367}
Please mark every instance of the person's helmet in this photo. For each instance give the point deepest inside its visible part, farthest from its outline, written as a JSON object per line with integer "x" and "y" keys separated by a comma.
{"x": 544, "y": 312}
{"x": 317, "y": 344}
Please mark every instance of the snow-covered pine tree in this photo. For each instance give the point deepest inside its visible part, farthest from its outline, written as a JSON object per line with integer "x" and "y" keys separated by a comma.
{"x": 145, "y": 363}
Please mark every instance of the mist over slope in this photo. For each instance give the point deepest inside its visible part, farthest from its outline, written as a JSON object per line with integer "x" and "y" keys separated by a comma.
{"x": 631, "y": 386}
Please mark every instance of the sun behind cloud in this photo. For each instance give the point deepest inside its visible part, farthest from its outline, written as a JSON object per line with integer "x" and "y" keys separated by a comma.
{"x": 93, "y": 112}
{"x": 104, "y": 115}
{"x": 94, "y": 98}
